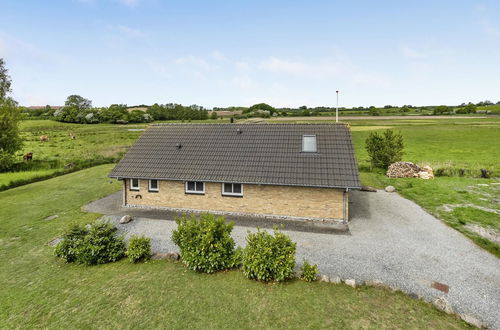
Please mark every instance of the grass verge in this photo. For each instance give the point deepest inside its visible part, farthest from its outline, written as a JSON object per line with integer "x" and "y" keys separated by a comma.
{"x": 40, "y": 291}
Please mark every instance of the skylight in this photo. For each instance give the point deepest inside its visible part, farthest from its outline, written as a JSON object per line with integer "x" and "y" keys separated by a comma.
{"x": 309, "y": 143}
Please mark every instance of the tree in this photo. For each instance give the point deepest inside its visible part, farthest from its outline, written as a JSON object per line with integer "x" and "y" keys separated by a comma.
{"x": 75, "y": 109}
{"x": 5, "y": 80}
{"x": 441, "y": 110}
{"x": 10, "y": 140}
{"x": 373, "y": 111}
{"x": 261, "y": 106}
{"x": 384, "y": 149}
{"x": 214, "y": 115}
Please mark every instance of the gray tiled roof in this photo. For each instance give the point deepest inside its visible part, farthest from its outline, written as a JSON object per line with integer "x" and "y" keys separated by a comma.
{"x": 261, "y": 154}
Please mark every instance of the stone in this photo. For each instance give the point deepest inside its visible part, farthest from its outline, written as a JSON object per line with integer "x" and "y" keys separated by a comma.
{"x": 473, "y": 321}
{"x": 51, "y": 217}
{"x": 350, "y": 282}
{"x": 378, "y": 283}
{"x": 173, "y": 256}
{"x": 324, "y": 278}
{"x": 423, "y": 175}
{"x": 88, "y": 226}
{"x": 413, "y": 295}
{"x": 125, "y": 219}
{"x": 336, "y": 280}
{"x": 159, "y": 256}
{"x": 390, "y": 189}
{"x": 55, "y": 241}
{"x": 368, "y": 188}
{"x": 442, "y": 304}
{"x": 429, "y": 171}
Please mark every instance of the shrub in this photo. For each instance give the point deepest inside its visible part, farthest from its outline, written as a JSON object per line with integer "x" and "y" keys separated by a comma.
{"x": 68, "y": 247}
{"x": 100, "y": 245}
{"x": 96, "y": 245}
{"x": 139, "y": 249}
{"x": 206, "y": 244}
{"x": 308, "y": 272}
{"x": 384, "y": 149}
{"x": 269, "y": 258}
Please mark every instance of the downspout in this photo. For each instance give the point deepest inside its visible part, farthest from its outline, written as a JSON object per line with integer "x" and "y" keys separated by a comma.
{"x": 124, "y": 192}
{"x": 345, "y": 205}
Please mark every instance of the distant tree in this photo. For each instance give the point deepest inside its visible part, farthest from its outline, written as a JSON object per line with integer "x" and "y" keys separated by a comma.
{"x": 372, "y": 111}
{"x": 75, "y": 109}
{"x": 388, "y": 106}
{"x": 214, "y": 115}
{"x": 10, "y": 140}
{"x": 441, "y": 110}
{"x": 304, "y": 107}
{"x": 306, "y": 113}
{"x": 261, "y": 106}
{"x": 117, "y": 113}
{"x": 404, "y": 109}
{"x": 384, "y": 149}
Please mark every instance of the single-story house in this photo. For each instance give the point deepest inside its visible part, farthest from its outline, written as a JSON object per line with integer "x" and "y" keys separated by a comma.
{"x": 277, "y": 170}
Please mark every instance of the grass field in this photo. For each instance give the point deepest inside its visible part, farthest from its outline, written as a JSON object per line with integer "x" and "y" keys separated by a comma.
{"x": 451, "y": 144}
{"x": 40, "y": 291}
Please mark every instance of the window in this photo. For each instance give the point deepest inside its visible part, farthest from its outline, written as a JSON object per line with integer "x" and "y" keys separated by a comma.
{"x": 195, "y": 187}
{"x": 154, "y": 186}
{"x": 134, "y": 184}
{"x": 309, "y": 143}
{"x": 232, "y": 189}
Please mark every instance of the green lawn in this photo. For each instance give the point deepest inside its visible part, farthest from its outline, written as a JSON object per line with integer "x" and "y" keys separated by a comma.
{"x": 40, "y": 291}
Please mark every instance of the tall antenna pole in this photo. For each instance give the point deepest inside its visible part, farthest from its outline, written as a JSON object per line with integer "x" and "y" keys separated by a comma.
{"x": 337, "y": 112}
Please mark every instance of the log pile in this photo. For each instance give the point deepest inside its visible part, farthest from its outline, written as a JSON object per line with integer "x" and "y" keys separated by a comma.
{"x": 403, "y": 170}
{"x": 409, "y": 170}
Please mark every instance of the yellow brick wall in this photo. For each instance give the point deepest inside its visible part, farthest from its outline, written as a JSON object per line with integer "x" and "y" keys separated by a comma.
{"x": 259, "y": 199}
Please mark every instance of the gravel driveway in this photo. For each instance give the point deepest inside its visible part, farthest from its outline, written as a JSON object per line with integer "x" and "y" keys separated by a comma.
{"x": 390, "y": 239}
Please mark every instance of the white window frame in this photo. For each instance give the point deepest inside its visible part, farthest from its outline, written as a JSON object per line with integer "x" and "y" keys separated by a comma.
{"x": 135, "y": 188}
{"x": 232, "y": 188}
{"x": 315, "y": 143}
{"x": 157, "y": 189}
{"x": 198, "y": 192}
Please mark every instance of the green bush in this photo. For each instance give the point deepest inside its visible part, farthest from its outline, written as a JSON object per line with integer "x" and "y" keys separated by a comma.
{"x": 68, "y": 247}
{"x": 96, "y": 245}
{"x": 206, "y": 244}
{"x": 308, "y": 272}
{"x": 384, "y": 149}
{"x": 139, "y": 249}
{"x": 269, "y": 258}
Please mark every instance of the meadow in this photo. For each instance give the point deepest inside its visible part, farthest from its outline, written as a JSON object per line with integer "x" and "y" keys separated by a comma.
{"x": 453, "y": 146}
{"x": 41, "y": 291}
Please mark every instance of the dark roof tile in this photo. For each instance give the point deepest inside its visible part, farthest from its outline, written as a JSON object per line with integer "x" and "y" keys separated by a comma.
{"x": 261, "y": 154}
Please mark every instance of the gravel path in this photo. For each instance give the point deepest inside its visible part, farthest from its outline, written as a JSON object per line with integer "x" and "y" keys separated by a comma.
{"x": 391, "y": 239}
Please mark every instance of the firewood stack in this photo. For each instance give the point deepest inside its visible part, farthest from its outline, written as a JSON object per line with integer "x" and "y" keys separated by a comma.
{"x": 403, "y": 170}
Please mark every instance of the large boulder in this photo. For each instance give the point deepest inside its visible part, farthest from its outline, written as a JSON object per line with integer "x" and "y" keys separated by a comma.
{"x": 403, "y": 170}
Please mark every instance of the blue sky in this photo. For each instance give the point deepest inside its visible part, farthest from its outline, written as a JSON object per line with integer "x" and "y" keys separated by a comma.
{"x": 223, "y": 53}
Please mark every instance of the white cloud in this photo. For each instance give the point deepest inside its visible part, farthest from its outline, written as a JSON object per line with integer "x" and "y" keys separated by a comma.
{"x": 491, "y": 29}
{"x": 412, "y": 53}
{"x": 274, "y": 64}
{"x": 130, "y": 32}
{"x": 219, "y": 56}
{"x": 327, "y": 68}
{"x": 243, "y": 82}
{"x": 194, "y": 62}
{"x": 242, "y": 66}
{"x": 129, "y": 3}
